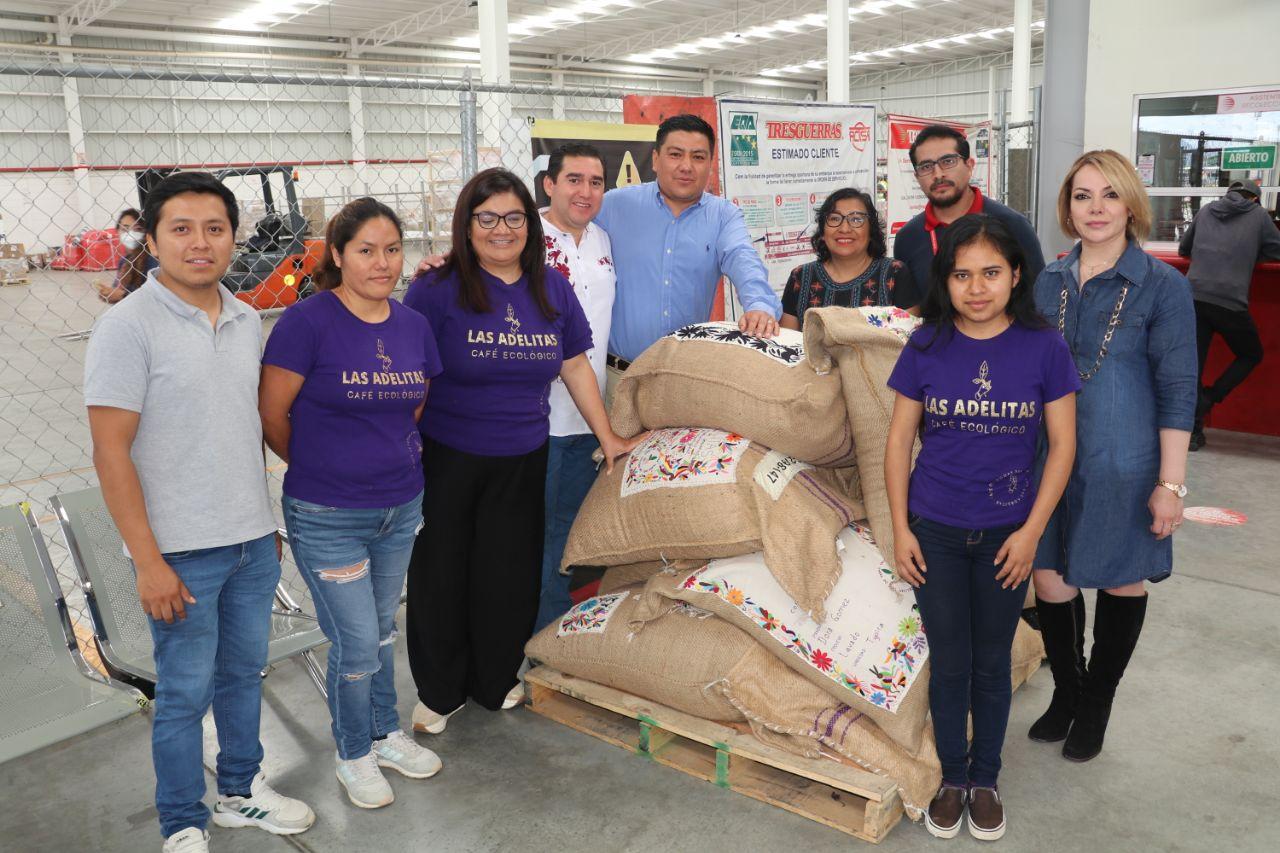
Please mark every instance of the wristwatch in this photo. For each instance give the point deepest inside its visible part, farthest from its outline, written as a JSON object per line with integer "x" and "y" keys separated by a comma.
{"x": 1179, "y": 489}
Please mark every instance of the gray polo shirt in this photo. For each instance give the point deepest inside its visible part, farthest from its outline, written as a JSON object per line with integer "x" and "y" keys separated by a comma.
{"x": 198, "y": 449}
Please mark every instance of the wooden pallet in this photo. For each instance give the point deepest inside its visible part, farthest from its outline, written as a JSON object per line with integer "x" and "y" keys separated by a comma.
{"x": 830, "y": 792}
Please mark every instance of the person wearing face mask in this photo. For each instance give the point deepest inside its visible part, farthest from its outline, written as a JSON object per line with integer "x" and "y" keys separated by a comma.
{"x": 134, "y": 265}
{"x": 940, "y": 157}
{"x": 1130, "y": 323}
{"x": 851, "y": 269}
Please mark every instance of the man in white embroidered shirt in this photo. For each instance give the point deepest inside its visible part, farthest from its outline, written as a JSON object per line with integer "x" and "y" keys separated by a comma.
{"x": 580, "y": 250}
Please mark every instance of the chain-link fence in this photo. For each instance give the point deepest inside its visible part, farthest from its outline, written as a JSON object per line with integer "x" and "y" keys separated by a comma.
{"x": 82, "y": 141}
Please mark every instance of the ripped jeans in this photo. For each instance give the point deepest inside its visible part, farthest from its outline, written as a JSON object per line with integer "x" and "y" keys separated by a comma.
{"x": 354, "y": 562}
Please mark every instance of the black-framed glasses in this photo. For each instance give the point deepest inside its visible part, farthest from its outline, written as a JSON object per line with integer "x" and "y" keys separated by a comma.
{"x": 946, "y": 163}
{"x": 489, "y": 220}
{"x": 855, "y": 220}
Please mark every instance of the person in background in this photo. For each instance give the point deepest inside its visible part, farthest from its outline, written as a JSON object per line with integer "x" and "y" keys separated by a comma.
{"x": 344, "y": 382}
{"x": 851, "y": 269}
{"x": 506, "y": 326}
{"x": 134, "y": 264}
{"x": 171, "y": 384}
{"x": 1226, "y": 240}
{"x": 1129, "y": 321}
{"x": 579, "y": 250}
{"x": 940, "y": 156}
{"x": 672, "y": 240}
{"x": 980, "y": 376}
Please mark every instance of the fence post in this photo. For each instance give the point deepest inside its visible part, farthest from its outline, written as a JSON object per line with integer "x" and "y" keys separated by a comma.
{"x": 1035, "y": 155}
{"x": 467, "y": 105}
{"x": 1002, "y": 147}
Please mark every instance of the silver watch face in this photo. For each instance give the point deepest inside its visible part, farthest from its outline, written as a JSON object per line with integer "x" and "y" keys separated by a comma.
{"x": 1182, "y": 491}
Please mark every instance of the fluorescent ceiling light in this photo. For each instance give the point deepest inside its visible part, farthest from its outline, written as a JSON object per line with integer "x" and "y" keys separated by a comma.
{"x": 264, "y": 13}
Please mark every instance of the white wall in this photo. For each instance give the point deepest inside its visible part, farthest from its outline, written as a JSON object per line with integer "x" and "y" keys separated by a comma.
{"x": 1140, "y": 47}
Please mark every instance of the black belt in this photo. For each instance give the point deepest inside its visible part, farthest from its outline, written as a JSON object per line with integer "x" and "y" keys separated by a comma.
{"x": 617, "y": 363}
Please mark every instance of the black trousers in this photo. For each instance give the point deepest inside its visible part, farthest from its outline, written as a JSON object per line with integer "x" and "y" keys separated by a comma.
{"x": 1240, "y": 335}
{"x": 475, "y": 575}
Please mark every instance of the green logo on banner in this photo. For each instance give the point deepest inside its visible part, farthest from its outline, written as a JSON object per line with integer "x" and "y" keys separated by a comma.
{"x": 744, "y": 145}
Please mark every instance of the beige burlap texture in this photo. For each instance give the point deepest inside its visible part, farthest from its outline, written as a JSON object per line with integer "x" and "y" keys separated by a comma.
{"x": 864, "y": 355}
{"x": 712, "y": 375}
{"x": 753, "y": 500}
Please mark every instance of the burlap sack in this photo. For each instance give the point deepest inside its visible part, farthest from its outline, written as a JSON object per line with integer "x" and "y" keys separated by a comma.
{"x": 703, "y": 493}
{"x": 869, "y": 652}
{"x": 617, "y": 578}
{"x": 1028, "y": 652}
{"x": 788, "y": 712}
{"x": 694, "y": 662}
{"x": 863, "y": 346}
{"x": 712, "y": 375}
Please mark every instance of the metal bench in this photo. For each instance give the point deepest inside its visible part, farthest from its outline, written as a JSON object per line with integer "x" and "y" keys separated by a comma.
{"x": 120, "y": 626}
{"x": 49, "y": 692}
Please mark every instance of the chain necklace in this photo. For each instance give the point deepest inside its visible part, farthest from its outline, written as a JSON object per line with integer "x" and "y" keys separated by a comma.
{"x": 1086, "y": 375}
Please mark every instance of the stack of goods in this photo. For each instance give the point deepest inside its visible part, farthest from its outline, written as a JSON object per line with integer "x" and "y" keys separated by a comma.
{"x": 746, "y": 539}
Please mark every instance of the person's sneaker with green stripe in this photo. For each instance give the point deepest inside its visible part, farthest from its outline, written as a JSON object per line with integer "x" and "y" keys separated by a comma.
{"x": 265, "y": 809}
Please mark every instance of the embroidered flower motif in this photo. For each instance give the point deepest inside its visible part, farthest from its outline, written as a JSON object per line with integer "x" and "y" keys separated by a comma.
{"x": 821, "y": 660}
{"x": 735, "y": 597}
{"x": 789, "y": 355}
{"x": 909, "y": 626}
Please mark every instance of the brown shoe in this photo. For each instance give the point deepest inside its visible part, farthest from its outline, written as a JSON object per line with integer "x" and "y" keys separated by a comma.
{"x": 946, "y": 812}
{"x": 986, "y": 814}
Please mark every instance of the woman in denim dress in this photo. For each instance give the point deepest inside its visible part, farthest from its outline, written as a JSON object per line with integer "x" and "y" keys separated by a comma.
{"x": 1129, "y": 321}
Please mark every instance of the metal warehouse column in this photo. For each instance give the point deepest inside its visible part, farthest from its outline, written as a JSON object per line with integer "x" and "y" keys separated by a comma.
{"x": 355, "y": 114}
{"x": 495, "y": 68}
{"x": 838, "y": 51}
{"x": 1066, "y": 56}
{"x": 1020, "y": 85}
{"x": 75, "y": 135}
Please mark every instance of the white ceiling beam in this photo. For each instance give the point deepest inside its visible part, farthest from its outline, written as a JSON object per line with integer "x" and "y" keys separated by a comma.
{"x": 762, "y": 13}
{"x": 84, "y": 13}
{"x": 446, "y": 12}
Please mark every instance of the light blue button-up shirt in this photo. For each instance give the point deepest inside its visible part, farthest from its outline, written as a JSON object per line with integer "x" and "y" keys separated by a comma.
{"x": 668, "y": 265}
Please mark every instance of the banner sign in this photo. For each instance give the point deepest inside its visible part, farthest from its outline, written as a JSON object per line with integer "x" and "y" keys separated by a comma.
{"x": 1249, "y": 102}
{"x": 781, "y": 159}
{"x": 905, "y": 198}
{"x": 627, "y": 150}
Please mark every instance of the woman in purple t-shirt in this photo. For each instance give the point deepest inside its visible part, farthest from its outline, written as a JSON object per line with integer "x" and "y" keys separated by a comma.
{"x": 507, "y": 326}
{"x": 344, "y": 381}
{"x": 975, "y": 382}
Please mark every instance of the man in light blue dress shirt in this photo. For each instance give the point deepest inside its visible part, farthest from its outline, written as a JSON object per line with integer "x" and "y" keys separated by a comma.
{"x": 672, "y": 241}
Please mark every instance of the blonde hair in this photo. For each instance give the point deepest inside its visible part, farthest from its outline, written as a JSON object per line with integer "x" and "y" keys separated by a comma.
{"x": 1121, "y": 175}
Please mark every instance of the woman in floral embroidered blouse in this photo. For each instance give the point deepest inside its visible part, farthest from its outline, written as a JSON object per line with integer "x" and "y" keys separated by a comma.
{"x": 852, "y": 269}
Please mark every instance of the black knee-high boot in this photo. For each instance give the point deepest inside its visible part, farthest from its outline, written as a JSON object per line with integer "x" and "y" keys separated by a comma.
{"x": 1062, "y": 626}
{"x": 1117, "y": 623}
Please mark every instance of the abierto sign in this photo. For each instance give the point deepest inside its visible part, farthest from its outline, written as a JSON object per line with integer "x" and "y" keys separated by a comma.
{"x": 1249, "y": 157}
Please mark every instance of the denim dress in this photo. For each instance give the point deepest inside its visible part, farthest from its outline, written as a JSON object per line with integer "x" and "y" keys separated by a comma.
{"x": 1100, "y": 534}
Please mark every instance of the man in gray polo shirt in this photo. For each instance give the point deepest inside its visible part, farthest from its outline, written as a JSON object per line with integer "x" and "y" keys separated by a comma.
{"x": 171, "y": 383}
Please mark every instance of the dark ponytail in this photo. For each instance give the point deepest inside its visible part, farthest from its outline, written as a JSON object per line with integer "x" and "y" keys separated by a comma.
{"x": 342, "y": 228}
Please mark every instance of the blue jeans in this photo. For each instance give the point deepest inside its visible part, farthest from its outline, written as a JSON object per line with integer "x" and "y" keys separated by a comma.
{"x": 970, "y": 622}
{"x": 215, "y": 655}
{"x": 570, "y": 473}
{"x": 354, "y": 562}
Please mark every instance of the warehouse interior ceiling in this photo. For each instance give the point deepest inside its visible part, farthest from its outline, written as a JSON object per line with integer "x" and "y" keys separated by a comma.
{"x": 780, "y": 40}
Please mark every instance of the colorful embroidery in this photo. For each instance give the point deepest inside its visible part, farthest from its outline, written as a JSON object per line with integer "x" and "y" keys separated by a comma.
{"x": 591, "y": 616}
{"x": 787, "y": 348}
{"x": 683, "y": 457}
{"x": 891, "y": 319}
{"x": 556, "y": 258}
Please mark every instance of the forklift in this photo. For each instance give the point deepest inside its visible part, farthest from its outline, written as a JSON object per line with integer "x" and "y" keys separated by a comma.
{"x": 273, "y": 267}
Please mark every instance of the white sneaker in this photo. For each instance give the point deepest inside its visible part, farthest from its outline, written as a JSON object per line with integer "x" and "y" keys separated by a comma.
{"x": 189, "y": 840}
{"x": 365, "y": 784}
{"x": 427, "y": 720}
{"x": 402, "y": 753}
{"x": 264, "y": 808}
{"x": 515, "y": 696}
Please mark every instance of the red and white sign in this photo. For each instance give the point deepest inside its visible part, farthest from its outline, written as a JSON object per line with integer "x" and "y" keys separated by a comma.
{"x": 905, "y": 198}
{"x": 1250, "y": 102}
{"x": 1215, "y": 516}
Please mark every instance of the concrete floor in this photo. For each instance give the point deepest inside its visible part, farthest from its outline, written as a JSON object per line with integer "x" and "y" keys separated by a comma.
{"x": 1190, "y": 762}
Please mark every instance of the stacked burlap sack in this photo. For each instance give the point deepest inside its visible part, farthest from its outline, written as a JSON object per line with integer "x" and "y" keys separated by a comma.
{"x": 741, "y": 588}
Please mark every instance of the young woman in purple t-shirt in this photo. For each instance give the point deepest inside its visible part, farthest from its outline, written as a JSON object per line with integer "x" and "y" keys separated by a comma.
{"x": 507, "y": 326}
{"x": 344, "y": 381}
{"x": 975, "y": 383}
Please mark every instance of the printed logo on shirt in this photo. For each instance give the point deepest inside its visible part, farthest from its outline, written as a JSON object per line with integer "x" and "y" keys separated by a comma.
{"x": 359, "y": 379}
{"x": 513, "y": 344}
{"x": 382, "y": 355}
{"x": 983, "y": 381}
{"x": 981, "y": 414}
{"x": 1011, "y": 488}
{"x": 512, "y": 321}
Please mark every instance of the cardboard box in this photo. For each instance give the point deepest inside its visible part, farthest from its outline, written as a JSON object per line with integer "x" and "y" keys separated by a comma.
{"x": 12, "y": 250}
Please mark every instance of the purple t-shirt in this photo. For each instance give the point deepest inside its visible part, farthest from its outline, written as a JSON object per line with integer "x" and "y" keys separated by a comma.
{"x": 354, "y": 442}
{"x": 493, "y": 397}
{"x": 983, "y": 405}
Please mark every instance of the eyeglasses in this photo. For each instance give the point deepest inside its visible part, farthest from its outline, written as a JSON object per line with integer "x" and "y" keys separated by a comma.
{"x": 489, "y": 221}
{"x": 946, "y": 163}
{"x": 855, "y": 220}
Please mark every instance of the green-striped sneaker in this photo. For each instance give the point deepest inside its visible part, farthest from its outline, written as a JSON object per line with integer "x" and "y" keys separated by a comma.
{"x": 264, "y": 808}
